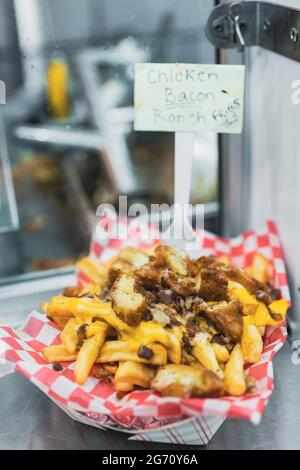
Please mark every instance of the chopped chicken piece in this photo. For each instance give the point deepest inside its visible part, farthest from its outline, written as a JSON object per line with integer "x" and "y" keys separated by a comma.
{"x": 227, "y": 316}
{"x": 162, "y": 313}
{"x": 120, "y": 266}
{"x": 150, "y": 277}
{"x": 232, "y": 273}
{"x": 74, "y": 291}
{"x": 92, "y": 291}
{"x": 184, "y": 286}
{"x": 235, "y": 274}
{"x": 213, "y": 285}
{"x": 209, "y": 284}
{"x": 204, "y": 262}
{"x": 127, "y": 301}
{"x": 137, "y": 258}
{"x": 171, "y": 258}
{"x": 187, "y": 381}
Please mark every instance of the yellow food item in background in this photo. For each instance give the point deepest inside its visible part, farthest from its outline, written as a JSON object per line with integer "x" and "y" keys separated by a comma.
{"x": 58, "y": 99}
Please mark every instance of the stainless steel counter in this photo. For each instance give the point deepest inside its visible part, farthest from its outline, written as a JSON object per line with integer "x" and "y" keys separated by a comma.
{"x": 29, "y": 420}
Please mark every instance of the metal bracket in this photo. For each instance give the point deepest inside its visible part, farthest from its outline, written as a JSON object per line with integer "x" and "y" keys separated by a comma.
{"x": 243, "y": 24}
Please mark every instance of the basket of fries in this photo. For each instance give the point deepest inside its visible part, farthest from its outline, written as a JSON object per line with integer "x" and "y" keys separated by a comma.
{"x": 158, "y": 345}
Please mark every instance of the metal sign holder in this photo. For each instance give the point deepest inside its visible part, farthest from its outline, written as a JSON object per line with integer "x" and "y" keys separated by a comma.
{"x": 242, "y": 24}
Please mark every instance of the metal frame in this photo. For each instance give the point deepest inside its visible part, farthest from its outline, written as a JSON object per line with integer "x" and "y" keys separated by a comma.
{"x": 243, "y": 24}
{"x": 7, "y": 192}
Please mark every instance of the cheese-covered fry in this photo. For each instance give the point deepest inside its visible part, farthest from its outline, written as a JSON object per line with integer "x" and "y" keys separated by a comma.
{"x": 248, "y": 301}
{"x": 115, "y": 351}
{"x": 85, "y": 310}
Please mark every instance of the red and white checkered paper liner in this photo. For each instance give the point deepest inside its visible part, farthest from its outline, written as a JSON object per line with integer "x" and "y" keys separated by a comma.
{"x": 157, "y": 417}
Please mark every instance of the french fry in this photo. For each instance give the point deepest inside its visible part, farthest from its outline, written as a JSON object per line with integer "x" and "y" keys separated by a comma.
{"x": 222, "y": 353}
{"x": 44, "y": 306}
{"x": 110, "y": 368}
{"x": 87, "y": 356}
{"x": 224, "y": 259}
{"x": 174, "y": 348}
{"x": 69, "y": 335}
{"x": 60, "y": 320}
{"x": 58, "y": 353}
{"x": 251, "y": 344}
{"x": 263, "y": 316}
{"x": 133, "y": 256}
{"x": 115, "y": 351}
{"x": 279, "y": 307}
{"x": 149, "y": 332}
{"x": 262, "y": 330}
{"x": 124, "y": 387}
{"x": 260, "y": 268}
{"x": 85, "y": 310}
{"x": 133, "y": 373}
{"x": 95, "y": 328}
{"x": 205, "y": 354}
{"x": 234, "y": 373}
{"x": 248, "y": 301}
{"x": 96, "y": 272}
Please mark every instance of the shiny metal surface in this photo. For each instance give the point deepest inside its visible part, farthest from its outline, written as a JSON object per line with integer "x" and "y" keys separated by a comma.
{"x": 9, "y": 217}
{"x": 29, "y": 420}
{"x": 59, "y": 136}
{"x": 273, "y": 27}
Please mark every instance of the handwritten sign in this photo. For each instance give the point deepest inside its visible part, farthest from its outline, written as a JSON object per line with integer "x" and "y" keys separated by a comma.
{"x": 189, "y": 97}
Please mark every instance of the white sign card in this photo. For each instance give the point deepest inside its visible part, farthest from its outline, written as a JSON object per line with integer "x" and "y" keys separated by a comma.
{"x": 189, "y": 97}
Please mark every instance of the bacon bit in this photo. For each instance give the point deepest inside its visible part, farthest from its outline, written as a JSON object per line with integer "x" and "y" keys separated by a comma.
{"x": 174, "y": 322}
{"x": 274, "y": 315}
{"x": 145, "y": 353}
{"x": 81, "y": 335}
{"x": 275, "y": 294}
{"x": 147, "y": 316}
{"x": 165, "y": 296}
{"x": 100, "y": 373}
{"x": 186, "y": 344}
{"x": 96, "y": 319}
{"x": 262, "y": 296}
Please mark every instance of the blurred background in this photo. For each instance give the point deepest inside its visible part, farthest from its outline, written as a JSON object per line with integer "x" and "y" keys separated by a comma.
{"x": 67, "y": 140}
